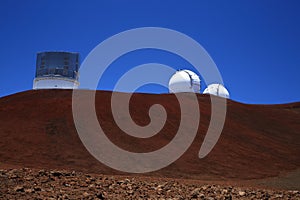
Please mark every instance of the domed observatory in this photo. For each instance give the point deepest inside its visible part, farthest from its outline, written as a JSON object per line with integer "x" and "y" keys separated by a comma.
{"x": 217, "y": 90}
{"x": 56, "y": 70}
{"x": 184, "y": 81}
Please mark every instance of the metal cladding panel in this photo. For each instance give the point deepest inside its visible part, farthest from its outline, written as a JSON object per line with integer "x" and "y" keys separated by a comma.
{"x": 63, "y": 64}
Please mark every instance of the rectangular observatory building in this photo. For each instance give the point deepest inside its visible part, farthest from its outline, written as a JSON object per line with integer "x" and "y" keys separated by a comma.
{"x": 56, "y": 70}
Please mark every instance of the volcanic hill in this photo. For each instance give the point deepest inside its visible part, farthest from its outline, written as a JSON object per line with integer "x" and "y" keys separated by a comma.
{"x": 257, "y": 142}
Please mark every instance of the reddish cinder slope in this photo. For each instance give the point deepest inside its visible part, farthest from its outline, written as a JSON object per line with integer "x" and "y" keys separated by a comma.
{"x": 258, "y": 141}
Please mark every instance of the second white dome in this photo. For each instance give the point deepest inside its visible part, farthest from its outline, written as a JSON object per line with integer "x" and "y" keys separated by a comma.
{"x": 217, "y": 90}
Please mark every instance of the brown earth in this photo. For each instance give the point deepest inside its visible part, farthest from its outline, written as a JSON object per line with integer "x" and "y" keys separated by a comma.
{"x": 259, "y": 145}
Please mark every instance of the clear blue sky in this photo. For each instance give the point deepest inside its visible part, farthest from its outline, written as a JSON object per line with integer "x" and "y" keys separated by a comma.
{"x": 255, "y": 44}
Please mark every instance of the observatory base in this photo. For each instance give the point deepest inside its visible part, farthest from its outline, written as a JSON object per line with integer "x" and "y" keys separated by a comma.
{"x": 55, "y": 83}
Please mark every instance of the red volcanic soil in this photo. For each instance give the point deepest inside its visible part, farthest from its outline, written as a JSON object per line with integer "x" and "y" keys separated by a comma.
{"x": 257, "y": 142}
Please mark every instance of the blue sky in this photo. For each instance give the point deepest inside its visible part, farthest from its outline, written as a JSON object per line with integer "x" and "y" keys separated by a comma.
{"x": 255, "y": 44}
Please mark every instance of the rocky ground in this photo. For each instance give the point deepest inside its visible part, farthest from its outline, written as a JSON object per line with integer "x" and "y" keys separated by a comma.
{"x": 46, "y": 184}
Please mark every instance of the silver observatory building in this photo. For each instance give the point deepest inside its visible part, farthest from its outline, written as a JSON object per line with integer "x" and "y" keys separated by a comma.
{"x": 56, "y": 70}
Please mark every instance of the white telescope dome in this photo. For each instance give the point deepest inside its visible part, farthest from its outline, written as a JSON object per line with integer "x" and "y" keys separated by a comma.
{"x": 184, "y": 81}
{"x": 217, "y": 90}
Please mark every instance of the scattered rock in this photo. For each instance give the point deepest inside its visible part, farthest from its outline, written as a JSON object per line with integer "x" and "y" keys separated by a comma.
{"x": 19, "y": 189}
{"x": 100, "y": 196}
{"x": 37, "y": 188}
{"x": 29, "y": 190}
{"x": 56, "y": 173}
{"x": 242, "y": 193}
{"x": 195, "y": 193}
{"x": 85, "y": 194}
{"x": 31, "y": 184}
